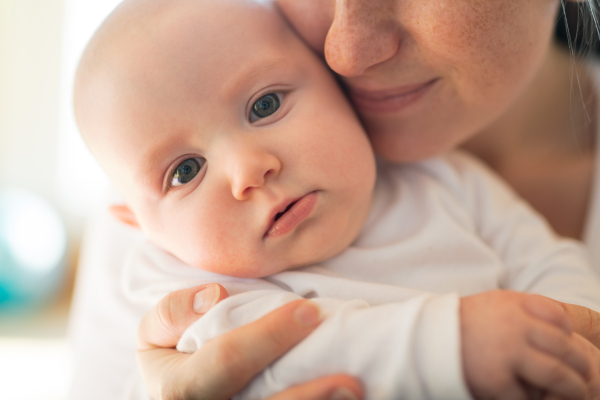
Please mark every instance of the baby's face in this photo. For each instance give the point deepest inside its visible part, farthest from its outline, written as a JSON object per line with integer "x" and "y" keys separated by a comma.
{"x": 230, "y": 141}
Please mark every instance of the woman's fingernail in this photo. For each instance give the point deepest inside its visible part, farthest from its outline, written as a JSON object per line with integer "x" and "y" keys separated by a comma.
{"x": 308, "y": 314}
{"x": 205, "y": 299}
{"x": 343, "y": 394}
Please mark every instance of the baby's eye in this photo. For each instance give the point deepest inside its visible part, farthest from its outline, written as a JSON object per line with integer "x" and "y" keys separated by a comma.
{"x": 187, "y": 170}
{"x": 264, "y": 106}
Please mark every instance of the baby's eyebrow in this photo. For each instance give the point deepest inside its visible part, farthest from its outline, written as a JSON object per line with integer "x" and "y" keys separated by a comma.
{"x": 254, "y": 71}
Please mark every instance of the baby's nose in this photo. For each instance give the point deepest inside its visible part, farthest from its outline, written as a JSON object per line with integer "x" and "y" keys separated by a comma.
{"x": 252, "y": 171}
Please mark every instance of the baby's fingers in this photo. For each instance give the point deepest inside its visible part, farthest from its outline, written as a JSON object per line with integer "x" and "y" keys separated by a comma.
{"x": 554, "y": 342}
{"x": 545, "y": 372}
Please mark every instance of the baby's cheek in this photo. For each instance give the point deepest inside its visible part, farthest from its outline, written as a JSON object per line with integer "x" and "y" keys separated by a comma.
{"x": 221, "y": 249}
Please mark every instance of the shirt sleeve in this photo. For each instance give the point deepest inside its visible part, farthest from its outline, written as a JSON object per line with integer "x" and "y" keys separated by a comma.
{"x": 404, "y": 349}
{"x": 408, "y": 349}
{"x": 536, "y": 259}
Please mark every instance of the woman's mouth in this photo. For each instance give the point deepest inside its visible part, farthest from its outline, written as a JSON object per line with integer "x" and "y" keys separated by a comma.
{"x": 387, "y": 101}
{"x": 293, "y": 214}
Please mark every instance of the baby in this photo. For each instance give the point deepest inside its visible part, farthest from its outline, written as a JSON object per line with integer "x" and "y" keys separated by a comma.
{"x": 241, "y": 160}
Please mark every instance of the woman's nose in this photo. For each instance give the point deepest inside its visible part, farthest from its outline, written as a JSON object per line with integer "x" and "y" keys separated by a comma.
{"x": 363, "y": 34}
{"x": 250, "y": 169}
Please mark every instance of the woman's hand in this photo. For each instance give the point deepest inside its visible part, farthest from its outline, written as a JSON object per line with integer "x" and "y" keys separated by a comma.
{"x": 223, "y": 366}
{"x": 585, "y": 322}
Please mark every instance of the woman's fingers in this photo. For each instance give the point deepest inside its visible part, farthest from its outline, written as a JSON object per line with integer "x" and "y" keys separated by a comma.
{"x": 163, "y": 371}
{"x": 164, "y": 324}
{"x": 224, "y": 365}
{"x": 548, "y": 310}
{"x": 335, "y": 387}
{"x": 586, "y": 322}
{"x": 229, "y": 362}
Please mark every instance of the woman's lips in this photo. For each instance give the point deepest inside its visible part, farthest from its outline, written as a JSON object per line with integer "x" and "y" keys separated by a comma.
{"x": 392, "y": 100}
{"x": 293, "y": 217}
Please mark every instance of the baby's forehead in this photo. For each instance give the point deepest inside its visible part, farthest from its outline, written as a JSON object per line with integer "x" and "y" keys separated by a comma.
{"x": 182, "y": 37}
{"x": 145, "y": 42}
{"x": 157, "y": 58}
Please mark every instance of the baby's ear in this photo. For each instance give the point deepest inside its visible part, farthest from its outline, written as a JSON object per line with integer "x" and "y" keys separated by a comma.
{"x": 124, "y": 214}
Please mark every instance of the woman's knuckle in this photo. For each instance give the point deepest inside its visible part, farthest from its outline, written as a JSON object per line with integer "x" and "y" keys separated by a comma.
{"x": 165, "y": 313}
{"x": 593, "y": 319}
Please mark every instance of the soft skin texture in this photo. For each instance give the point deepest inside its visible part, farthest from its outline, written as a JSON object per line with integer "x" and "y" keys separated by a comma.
{"x": 492, "y": 323}
{"x": 177, "y": 372}
{"x": 478, "y": 57}
{"x": 150, "y": 95}
{"x": 496, "y": 79}
{"x": 132, "y": 97}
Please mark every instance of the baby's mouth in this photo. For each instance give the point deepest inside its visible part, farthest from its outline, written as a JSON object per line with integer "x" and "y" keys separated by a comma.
{"x": 278, "y": 215}
{"x": 292, "y": 215}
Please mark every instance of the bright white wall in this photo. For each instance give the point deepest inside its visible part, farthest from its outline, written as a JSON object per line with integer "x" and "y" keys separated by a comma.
{"x": 40, "y": 149}
{"x": 80, "y": 180}
{"x": 30, "y": 38}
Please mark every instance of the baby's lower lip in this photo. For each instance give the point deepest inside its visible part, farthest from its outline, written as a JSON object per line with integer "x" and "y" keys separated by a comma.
{"x": 382, "y": 102}
{"x": 293, "y": 217}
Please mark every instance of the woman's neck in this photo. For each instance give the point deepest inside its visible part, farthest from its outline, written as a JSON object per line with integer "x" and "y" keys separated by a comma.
{"x": 543, "y": 145}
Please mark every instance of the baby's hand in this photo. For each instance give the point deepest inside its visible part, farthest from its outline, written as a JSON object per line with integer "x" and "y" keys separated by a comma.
{"x": 515, "y": 344}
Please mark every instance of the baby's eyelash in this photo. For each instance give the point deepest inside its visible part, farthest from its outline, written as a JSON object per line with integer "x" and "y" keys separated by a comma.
{"x": 265, "y": 105}
{"x": 184, "y": 172}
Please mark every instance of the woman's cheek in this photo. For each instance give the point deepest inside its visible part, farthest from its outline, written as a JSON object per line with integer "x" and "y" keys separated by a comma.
{"x": 488, "y": 50}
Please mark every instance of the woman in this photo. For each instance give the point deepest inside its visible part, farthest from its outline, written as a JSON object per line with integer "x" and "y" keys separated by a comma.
{"x": 425, "y": 76}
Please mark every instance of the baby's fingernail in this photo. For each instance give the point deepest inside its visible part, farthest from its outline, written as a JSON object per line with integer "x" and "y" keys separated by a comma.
{"x": 205, "y": 299}
{"x": 308, "y": 314}
{"x": 343, "y": 394}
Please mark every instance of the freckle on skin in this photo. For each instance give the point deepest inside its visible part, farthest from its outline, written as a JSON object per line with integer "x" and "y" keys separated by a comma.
{"x": 352, "y": 41}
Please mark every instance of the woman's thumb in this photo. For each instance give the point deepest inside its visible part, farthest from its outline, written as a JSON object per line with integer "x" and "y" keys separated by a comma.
{"x": 163, "y": 324}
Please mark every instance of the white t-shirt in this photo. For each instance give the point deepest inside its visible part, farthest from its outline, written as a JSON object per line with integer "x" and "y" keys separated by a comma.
{"x": 437, "y": 230}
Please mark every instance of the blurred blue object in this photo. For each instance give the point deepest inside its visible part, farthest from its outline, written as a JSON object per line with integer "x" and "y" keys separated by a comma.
{"x": 33, "y": 245}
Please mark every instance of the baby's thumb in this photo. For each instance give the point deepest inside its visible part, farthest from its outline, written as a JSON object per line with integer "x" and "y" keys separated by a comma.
{"x": 163, "y": 324}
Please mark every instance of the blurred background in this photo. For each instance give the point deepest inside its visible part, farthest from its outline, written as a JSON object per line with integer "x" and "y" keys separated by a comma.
{"x": 48, "y": 184}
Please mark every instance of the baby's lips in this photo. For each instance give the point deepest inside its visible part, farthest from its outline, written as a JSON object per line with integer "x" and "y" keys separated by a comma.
{"x": 297, "y": 213}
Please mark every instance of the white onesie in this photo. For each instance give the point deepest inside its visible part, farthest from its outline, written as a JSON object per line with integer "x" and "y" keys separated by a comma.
{"x": 438, "y": 230}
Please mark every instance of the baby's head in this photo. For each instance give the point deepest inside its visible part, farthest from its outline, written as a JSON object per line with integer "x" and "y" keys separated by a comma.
{"x": 231, "y": 143}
